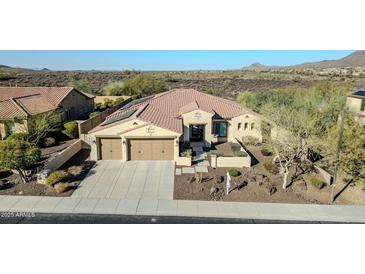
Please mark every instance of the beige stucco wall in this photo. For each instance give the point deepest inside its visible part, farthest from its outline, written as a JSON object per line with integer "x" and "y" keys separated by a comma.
{"x": 235, "y": 133}
{"x": 198, "y": 117}
{"x": 78, "y": 104}
{"x": 62, "y": 157}
{"x": 20, "y": 127}
{"x": 353, "y": 104}
{"x": 141, "y": 130}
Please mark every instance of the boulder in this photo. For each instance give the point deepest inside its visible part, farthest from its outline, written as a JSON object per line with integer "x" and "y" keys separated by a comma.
{"x": 218, "y": 179}
{"x": 213, "y": 190}
{"x": 270, "y": 190}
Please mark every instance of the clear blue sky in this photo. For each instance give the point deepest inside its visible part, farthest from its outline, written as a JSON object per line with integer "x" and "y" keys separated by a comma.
{"x": 161, "y": 60}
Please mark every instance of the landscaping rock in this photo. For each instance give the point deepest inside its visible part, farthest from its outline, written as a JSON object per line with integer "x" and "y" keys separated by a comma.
{"x": 190, "y": 180}
{"x": 242, "y": 184}
{"x": 18, "y": 180}
{"x": 61, "y": 187}
{"x": 213, "y": 190}
{"x": 271, "y": 190}
{"x": 218, "y": 179}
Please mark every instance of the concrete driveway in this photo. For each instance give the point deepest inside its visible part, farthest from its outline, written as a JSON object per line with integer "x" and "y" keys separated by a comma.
{"x": 129, "y": 180}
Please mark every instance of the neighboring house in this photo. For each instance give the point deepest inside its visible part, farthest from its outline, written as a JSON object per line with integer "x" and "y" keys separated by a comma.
{"x": 19, "y": 104}
{"x": 356, "y": 104}
{"x": 151, "y": 128}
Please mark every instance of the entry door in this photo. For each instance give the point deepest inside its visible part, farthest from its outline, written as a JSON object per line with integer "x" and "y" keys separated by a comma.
{"x": 197, "y": 132}
{"x": 110, "y": 149}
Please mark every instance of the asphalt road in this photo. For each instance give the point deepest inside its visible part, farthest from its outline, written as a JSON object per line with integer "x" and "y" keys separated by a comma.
{"x": 126, "y": 219}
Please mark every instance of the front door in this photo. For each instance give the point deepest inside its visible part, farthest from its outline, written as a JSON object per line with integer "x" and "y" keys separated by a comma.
{"x": 196, "y": 133}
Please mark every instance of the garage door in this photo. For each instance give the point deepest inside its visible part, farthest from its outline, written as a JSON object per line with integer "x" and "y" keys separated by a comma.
{"x": 151, "y": 149}
{"x": 110, "y": 149}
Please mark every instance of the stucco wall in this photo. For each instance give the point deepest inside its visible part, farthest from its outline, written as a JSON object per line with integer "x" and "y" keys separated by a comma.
{"x": 78, "y": 105}
{"x": 353, "y": 104}
{"x": 20, "y": 127}
{"x": 253, "y": 127}
{"x": 141, "y": 130}
{"x": 198, "y": 117}
{"x": 62, "y": 157}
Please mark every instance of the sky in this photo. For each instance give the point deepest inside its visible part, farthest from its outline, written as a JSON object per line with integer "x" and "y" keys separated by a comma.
{"x": 161, "y": 59}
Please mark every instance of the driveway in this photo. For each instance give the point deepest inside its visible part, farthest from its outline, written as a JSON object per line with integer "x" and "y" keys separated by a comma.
{"x": 129, "y": 180}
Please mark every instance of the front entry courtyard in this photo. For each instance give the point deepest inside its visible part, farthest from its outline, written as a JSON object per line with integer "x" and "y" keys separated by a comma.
{"x": 114, "y": 179}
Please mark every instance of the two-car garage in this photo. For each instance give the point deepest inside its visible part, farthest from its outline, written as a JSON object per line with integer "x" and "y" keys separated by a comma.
{"x": 138, "y": 149}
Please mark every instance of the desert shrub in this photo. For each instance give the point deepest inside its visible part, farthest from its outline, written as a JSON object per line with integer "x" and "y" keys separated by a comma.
{"x": 217, "y": 152}
{"x": 61, "y": 187}
{"x": 18, "y": 136}
{"x": 117, "y": 101}
{"x": 239, "y": 153}
{"x": 80, "y": 84}
{"x": 316, "y": 182}
{"x": 272, "y": 168}
{"x": 187, "y": 153}
{"x": 94, "y": 114}
{"x": 235, "y": 147}
{"x": 56, "y": 177}
{"x": 49, "y": 141}
{"x": 265, "y": 151}
{"x": 75, "y": 170}
{"x": 251, "y": 140}
{"x": 233, "y": 172}
{"x": 71, "y": 129}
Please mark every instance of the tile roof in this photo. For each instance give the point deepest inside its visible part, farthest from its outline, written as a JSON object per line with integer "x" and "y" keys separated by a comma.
{"x": 165, "y": 109}
{"x": 19, "y": 102}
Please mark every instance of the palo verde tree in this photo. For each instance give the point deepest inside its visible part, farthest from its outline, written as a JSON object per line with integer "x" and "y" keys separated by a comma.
{"x": 18, "y": 155}
{"x": 42, "y": 124}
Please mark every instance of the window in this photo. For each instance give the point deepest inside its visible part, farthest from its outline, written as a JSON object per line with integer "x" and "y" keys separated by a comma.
{"x": 220, "y": 129}
{"x": 252, "y": 126}
{"x": 239, "y": 126}
{"x": 246, "y": 126}
{"x": 10, "y": 128}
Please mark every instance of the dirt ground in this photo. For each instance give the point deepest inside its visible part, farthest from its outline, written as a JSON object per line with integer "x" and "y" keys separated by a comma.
{"x": 34, "y": 189}
{"x": 258, "y": 190}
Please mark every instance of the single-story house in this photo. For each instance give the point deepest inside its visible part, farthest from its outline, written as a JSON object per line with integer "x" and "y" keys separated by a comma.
{"x": 152, "y": 128}
{"x": 356, "y": 104}
{"x": 19, "y": 104}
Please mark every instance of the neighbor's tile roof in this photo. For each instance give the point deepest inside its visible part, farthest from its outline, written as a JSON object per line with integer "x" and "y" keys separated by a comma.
{"x": 23, "y": 101}
{"x": 165, "y": 109}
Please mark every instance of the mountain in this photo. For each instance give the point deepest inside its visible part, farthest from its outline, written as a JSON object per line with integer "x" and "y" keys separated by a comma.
{"x": 355, "y": 59}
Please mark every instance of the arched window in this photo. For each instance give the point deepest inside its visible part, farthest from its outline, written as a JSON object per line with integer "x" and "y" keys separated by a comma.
{"x": 252, "y": 126}
{"x": 246, "y": 126}
{"x": 239, "y": 126}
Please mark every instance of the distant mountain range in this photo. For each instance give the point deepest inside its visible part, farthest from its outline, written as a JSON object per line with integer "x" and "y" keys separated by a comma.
{"x": 355, "y": 59}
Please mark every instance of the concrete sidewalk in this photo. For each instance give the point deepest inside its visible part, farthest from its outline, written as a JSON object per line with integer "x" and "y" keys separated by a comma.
{"x": 166, "y": 207}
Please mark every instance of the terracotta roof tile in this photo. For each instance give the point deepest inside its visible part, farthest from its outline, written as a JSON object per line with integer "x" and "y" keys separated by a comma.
{"x": 165, "y": 109}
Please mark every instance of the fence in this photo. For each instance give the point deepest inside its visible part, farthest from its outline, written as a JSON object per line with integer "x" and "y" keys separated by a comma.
{"x": 62, "y": 157}
{"x": 89, "y": 124}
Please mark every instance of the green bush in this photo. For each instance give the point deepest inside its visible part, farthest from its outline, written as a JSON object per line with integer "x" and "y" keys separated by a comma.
{"x": 272, "y": 168}
{"x": 234, "y": 172}
{"x": 56, "y": 177}
{"x": 49, "y": 141}
{"x": 266, "y": 151}
{"x": 316, "y": 182}
{"x": 187, "y": 152}
{"x": 18, "y": 136}
{"x": 251, "y": 141}
{"x": 117, "y": 101}
{"x": 94, "y": 114}
{"x": 235, "y": 147}
{"x": 114, "y": 88}
{"x": 239, "y": 153}
{"x": 71, "y": 129}
{"x": 217, "y": 152}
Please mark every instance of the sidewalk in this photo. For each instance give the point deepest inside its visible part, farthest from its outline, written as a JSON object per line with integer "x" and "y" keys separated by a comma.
{"x": 161, "y": 207}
